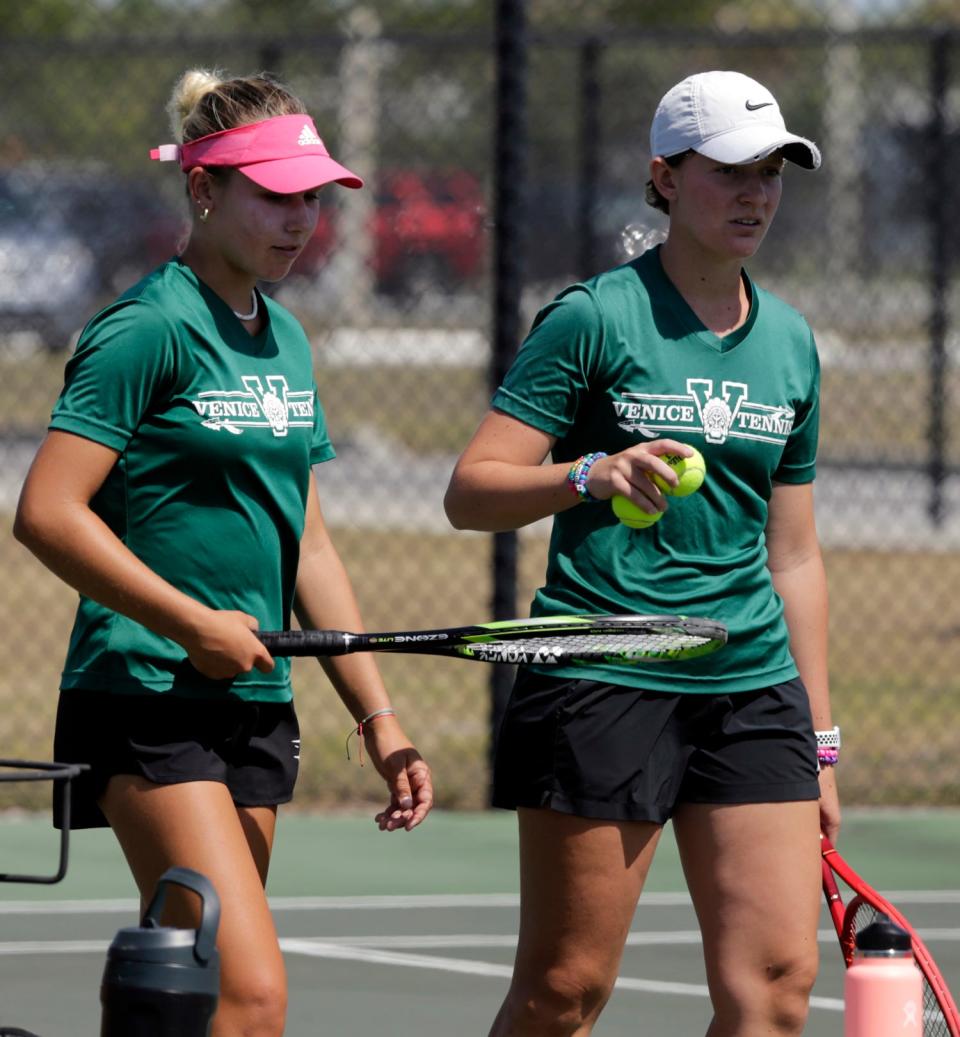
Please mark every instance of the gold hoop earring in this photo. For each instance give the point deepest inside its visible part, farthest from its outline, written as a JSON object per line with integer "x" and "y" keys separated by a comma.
{"x": 204, "y": 215}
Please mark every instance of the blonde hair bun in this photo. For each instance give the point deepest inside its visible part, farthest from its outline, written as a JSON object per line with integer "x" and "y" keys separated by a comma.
{"x": 190, "y": 88}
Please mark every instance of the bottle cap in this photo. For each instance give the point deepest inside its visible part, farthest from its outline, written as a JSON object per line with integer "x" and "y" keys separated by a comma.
{"x": 882, "y": 937}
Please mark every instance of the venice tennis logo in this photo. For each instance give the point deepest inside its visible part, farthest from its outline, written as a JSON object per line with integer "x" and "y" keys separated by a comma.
{"x": 272, "y": 405}
{"x": 719, "y": 415}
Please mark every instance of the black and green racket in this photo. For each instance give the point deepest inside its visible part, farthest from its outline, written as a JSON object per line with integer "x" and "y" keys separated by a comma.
{"x": 551, "y": 640}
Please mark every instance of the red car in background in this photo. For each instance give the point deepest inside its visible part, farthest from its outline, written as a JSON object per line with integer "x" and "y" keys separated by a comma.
{"x": 428, "y": 229}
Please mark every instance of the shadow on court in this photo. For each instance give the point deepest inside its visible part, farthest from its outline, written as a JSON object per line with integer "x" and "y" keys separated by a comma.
{"x": 414, "y": 933}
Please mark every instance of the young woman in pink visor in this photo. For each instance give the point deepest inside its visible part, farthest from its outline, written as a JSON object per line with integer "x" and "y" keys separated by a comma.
{"x": 174, "y": 491}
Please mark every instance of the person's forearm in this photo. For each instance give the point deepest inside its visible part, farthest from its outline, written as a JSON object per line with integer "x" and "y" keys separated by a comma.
{"x": 494, "y": 496}
{"x": 75, "y": 544}
{"x": 325, "y": 600}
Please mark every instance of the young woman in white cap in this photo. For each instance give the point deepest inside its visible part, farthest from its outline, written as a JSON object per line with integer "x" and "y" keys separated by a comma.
{"x": 174, "y": 491}
{"x": 676, "y": 349}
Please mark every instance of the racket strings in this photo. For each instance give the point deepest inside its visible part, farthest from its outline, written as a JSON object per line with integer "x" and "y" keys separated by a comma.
{"x": 634, "y": 645}
{"x": 934, "y": 1021}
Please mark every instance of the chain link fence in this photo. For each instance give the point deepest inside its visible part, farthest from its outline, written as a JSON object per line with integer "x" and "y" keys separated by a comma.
{"x": 395, "y": 292}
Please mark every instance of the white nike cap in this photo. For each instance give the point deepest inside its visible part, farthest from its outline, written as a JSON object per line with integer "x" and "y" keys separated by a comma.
{"x": 728, "y": 117}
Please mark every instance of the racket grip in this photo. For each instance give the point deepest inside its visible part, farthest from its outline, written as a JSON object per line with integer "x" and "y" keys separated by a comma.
{"x": 304, "y": 642}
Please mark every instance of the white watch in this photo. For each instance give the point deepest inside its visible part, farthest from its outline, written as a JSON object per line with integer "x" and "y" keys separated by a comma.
{"x": 828, "y": 739}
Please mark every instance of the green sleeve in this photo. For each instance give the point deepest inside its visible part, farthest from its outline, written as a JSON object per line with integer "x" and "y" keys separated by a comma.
{"x": 321, "y": 449}
{"x": 556, "y": 363}
{"x": 798, "y": 464}
{"x": 125, "y": 359}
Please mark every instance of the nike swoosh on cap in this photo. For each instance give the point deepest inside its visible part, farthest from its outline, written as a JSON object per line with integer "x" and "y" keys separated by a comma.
{"x": 762, "y": 104}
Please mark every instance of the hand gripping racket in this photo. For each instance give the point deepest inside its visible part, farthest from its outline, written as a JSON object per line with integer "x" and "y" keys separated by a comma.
{"x": 548, "y": 641}
{"x": 940, "y": 1015}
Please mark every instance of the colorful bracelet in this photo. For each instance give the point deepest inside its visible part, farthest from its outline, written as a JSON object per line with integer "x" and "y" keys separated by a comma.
{"x": 828, "y": 757}
{"x": 358, "y": 730}
{"x": 577, "y": 476}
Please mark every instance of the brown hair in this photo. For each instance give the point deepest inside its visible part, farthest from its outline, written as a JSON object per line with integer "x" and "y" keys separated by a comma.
{"x": 204, "y": 102}
{"x": 651, "y": 195}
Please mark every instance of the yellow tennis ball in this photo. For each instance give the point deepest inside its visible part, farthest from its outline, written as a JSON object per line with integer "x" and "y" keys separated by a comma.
{"x": 632, "y": 516}
{"x": 691, "y": 471}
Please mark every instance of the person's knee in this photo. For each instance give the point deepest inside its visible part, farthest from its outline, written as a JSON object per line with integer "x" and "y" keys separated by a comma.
{"x": 774, "y": 998}
{"x": 558, "y": 1002}
{"x": 259, "y": 1006}
{"x": 788, "y": 992}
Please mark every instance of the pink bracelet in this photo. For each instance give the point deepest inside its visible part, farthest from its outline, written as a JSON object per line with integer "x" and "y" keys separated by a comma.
{"x": 358, "y": 730}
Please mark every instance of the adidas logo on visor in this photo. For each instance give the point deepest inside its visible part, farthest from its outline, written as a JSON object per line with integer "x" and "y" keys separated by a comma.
{"x": 308, "y": 137}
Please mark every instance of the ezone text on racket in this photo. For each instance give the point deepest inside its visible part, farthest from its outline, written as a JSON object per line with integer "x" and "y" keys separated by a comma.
{"x": 400, "y": 638}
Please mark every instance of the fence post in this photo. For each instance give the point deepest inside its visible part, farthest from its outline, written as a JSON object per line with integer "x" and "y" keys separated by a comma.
{"x": 843, "y": 116}
{"x": 352, "y": 263}
{"x": 271, "y": 57}
{"x": 510, "y": 153}
{"x": 589, "y": 146}
{"x": 939, "y": 177}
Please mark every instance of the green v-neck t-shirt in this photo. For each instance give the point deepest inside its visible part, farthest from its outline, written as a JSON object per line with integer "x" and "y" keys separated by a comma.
{"x": 216, "y": 431}
{"x": 622, "y": 359}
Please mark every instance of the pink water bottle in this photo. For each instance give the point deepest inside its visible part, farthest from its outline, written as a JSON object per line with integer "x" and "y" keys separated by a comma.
{"x": 883, "y": 990}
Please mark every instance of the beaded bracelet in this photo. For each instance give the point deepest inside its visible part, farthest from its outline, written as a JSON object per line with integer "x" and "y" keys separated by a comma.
{"x": 828, "y": 757}
{"x": 577, "y": 476}
{"x": 358, "y": 730}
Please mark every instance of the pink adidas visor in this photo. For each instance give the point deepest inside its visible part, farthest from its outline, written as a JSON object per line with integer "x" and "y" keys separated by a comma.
{"x": 283, "y": 154}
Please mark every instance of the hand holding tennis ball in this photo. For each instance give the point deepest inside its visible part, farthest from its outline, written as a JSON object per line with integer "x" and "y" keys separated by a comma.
{"x": 691, "y": 472}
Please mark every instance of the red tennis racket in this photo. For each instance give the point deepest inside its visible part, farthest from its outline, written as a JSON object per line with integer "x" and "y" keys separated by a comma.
{"x": 940, "y": 1015}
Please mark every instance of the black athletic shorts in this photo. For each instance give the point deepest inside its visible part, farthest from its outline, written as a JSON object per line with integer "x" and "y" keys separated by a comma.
{"x": 251, "y": 747}
{"x": 621, "y": 754}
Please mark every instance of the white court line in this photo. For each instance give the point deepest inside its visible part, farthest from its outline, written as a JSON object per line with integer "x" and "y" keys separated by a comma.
{"x": 12, "y": 948}
{"x": 478, "y": 940}
{"x": 376, "y": 950}
{"x": 674, "y": 938}
{"x": 404, "y": 902}
{"x": 327, "y": 949}
{"x": 359, "y": 903}
{"x": 387, "y": 942}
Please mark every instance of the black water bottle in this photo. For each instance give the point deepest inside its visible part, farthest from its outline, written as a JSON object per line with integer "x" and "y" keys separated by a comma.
{"x": 160, "y": 981}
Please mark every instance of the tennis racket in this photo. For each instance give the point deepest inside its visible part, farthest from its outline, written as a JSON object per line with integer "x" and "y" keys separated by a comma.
{"x": 940, "y": 1015}
{"x": 553, "y": 640}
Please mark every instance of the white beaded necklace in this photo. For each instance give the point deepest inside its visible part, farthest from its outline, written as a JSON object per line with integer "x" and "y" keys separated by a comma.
{"x": 253, "y": 313}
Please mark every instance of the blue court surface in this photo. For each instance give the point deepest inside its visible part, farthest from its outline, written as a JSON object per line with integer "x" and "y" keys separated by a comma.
{"x": 414, "y": 933}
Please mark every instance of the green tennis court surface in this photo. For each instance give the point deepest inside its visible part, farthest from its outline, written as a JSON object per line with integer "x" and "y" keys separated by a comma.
{"x": 414, "y": 933}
